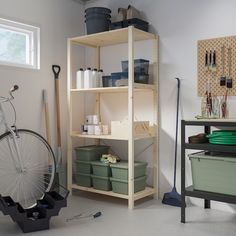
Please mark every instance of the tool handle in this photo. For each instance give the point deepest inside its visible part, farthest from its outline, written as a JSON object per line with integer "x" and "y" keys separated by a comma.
{"x": 47, "y": 121}
{"x": 56, "y": 70}
{"x": 206, "y": 59}
{"x": 214, "y": 58}
{"x": 58, "y": 112}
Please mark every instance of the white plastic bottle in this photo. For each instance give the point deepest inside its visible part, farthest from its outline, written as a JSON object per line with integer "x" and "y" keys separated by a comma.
{"x": 94, "y": 77}
{"x": 80, "y": 79}
{"x": 88, "y": 78}
{"x": 99, "y": 81}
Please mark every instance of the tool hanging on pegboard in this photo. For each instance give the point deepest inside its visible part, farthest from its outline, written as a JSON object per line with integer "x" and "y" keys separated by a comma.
{"x": 217, "y": 64}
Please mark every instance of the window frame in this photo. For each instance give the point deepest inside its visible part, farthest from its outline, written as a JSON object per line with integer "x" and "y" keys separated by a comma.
{"x": 33, "y": 32}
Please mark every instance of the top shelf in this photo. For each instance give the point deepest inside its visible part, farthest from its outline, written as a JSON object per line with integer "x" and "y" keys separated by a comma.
{"x": 111, "y": 37}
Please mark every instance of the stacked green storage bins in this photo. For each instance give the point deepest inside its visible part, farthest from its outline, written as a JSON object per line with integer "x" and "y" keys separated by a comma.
{"x": 121, "y": 186}
{"x": 119, "y": 178}
{"x": 101, "y": 175}
{"x": 90, "y": 153}
{"x": 214, "y": 173}
{"x": 84, "y": 156}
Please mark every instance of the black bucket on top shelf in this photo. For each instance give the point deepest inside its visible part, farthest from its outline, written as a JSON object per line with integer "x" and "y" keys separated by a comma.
{"x": 97, "y": 19}
{"x": 102, "y": 10}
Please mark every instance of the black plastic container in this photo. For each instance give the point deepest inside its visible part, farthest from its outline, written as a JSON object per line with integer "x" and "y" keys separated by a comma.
{"x": 102, "y": 10}
{"x": 106, "y": 81}
{"x": 108, "y": 16}
{"x": 141, "y": 66}
{"x": 97, "y": 19}
{"x": 137, "y": 23}
{"x": 38, "y": 217}
{"x": 97, "y": 24}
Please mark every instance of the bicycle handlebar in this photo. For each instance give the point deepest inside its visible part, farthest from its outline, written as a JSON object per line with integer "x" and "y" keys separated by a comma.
{"x": 13, "y": 89}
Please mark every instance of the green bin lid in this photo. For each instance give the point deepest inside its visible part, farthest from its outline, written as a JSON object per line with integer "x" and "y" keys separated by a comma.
{"x": 126, "y": 181}
{"x": 100, "y": 177}
{"x": 124, "y": 164}
{"x": 83, "y": 162}
{"x": 219, "y": 157}
{"x": 91, "y": 147}
{"x": 99, "y": 163}
{"x": 85, "y": 175}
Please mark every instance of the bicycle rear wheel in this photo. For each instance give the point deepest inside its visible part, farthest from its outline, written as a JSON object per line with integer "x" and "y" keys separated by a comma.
{"x": 27, "y": 178}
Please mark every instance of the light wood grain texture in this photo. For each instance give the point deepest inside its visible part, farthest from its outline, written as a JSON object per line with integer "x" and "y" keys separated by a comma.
{"x": 214, "y": 77}
{"x": 145, "y": 193}
{"x": 69, "y": 125}
{"x": 111, "y": 37}
{"x": 128, "y": 35}
{"x": 137, "y": 87}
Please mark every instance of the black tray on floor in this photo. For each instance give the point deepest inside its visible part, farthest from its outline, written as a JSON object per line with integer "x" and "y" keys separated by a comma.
{"x": 38, "y": 217}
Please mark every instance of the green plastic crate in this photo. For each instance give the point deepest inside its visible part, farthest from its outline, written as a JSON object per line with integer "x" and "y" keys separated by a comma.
{"x": 90, "y": 153}
{"x": 101, "y": 169}
{"x": 214, "y": 173}
{"x": 101, "y": 183}
{"x": 83, "y": 167}
{"x": 120, "y": 170}
{"x": 83, "y": 180}
{"x": 121, "y": 186}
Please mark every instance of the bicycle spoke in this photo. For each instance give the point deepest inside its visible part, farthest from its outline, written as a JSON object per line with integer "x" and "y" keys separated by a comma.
{"x": 27, "y": 184}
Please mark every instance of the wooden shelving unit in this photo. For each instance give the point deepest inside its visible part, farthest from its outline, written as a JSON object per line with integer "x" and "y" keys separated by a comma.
{"x": 129, "y": 36}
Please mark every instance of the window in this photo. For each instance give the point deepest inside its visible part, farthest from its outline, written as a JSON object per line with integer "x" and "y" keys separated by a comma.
{"x": 19, "y": 44}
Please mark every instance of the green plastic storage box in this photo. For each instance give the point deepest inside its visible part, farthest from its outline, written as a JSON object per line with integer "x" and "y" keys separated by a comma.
{"x": 101, "y": 183}
{"x": 83, "y": 180}
{"x": 121, "y": 186}
{"x": 214, "y": 173}
{"x": 120, "y": 170}
{"x": 90, "y": 153}
{"x": 101, "y": 169}
{"x": 83, "y": 167}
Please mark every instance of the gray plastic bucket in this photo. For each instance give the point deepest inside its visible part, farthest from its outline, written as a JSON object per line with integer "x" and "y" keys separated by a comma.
{"x": 108, "y": 16}
{"x": 102, "y": 10}
{"x": 97, "y": 24}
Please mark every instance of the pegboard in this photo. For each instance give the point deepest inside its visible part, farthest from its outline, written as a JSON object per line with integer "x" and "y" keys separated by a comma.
{"x": 214, "y": 77}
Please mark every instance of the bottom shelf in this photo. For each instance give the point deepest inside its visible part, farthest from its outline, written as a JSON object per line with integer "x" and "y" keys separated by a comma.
{"x": 189, "y": 191}
{"x": 148, "y": 191}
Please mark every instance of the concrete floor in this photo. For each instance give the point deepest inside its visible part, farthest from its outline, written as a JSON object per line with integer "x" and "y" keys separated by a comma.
{"x": 149, "y": 218}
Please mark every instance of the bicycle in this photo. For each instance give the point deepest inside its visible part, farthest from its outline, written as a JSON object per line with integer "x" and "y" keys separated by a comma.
{"x": 27, "y": 162}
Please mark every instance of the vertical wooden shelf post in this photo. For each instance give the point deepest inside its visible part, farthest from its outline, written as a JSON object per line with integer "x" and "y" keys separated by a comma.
{"x": 131, "y": 116}
{"x": 69, "y": 101}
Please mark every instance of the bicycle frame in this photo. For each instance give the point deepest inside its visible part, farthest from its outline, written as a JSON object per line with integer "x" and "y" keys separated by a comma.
{"x": 18, "y": 163}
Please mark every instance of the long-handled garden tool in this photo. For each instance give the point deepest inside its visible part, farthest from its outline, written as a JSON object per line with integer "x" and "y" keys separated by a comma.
{"x": 173, "y": 198}
{"x": 56, "y": 70}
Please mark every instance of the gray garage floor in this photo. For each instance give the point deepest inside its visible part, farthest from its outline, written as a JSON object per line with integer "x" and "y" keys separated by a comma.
{"x": 148, "y": 218}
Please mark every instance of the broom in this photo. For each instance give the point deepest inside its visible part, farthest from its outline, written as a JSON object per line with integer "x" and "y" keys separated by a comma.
{"x": 173, "y": 198}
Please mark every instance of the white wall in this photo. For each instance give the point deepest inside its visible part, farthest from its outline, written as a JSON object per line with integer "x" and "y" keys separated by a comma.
{"x": 180, "y": 24}
{"x": 58, "y": 20}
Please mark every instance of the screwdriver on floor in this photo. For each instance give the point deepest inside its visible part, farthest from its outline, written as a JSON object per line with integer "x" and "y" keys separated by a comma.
{"x": 81, "y": 216}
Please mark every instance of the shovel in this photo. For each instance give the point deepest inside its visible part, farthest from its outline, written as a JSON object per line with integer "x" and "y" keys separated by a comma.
{"x": 56, "y": 70}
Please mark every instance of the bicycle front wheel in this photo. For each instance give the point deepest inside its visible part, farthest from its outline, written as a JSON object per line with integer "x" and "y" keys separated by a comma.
{"x": 27, "y": 167}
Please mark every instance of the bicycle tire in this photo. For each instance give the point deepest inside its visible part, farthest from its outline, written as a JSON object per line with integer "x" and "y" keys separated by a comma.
{"x": 26, "y": 181}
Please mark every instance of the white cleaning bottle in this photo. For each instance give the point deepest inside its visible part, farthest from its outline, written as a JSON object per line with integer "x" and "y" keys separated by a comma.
{"x": 88, "y": 78}
{"x": 99, "y": 81}
{"x": 80, "y": 79}
{"x": 94, "y": 78}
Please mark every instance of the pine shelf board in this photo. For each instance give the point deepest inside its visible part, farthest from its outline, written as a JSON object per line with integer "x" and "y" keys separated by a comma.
{"x": 111, "y": 37}
{"x": 145, "y": 193}
{"x": 109, "y": 136}
{"x": 137, "y": 87}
